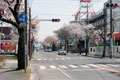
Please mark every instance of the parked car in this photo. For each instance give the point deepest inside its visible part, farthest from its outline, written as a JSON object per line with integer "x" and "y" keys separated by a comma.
{"x": 61, "y": 52}
{"x": 49, "y": 50}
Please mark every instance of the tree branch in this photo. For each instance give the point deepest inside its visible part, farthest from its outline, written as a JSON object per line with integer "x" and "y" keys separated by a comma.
{"x": 14, "y": 14}
{"x": 10, "y": 21}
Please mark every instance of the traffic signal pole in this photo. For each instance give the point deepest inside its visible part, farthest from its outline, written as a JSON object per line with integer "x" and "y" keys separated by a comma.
{"x": 111, "y": 40}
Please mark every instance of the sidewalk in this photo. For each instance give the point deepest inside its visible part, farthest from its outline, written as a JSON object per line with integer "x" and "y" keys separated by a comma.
{"x": 9, "y": 72}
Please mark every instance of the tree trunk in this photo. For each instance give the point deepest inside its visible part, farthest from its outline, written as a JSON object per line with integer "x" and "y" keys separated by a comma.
{"x": 67, "y": 46}
{"x": 21, "y": 50}
{"x": 87, "y": 46}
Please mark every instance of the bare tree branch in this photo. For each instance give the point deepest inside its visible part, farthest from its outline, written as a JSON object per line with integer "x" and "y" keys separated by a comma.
{"x": 10, "y": 21}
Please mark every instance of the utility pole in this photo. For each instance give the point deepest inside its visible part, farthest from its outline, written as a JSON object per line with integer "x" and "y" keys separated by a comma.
{"x": 111, "y": 40}
{"x": 29, "y": 33}
{"x": 25, "y": 35}
{"x": 105, "y": 22}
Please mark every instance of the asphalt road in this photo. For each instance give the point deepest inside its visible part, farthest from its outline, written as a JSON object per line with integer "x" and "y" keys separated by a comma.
{"x": 51, "y": 66}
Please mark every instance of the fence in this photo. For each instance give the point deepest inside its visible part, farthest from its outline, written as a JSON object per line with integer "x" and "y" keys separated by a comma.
{"x": 98, "y": 51}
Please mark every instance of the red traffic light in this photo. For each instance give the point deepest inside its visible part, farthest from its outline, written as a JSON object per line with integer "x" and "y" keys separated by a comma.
{"x": 58, "y": 20}
{"x": 55, "y": 20}
{"x": 115, "y": 5}
{"x": 110, "y": 5}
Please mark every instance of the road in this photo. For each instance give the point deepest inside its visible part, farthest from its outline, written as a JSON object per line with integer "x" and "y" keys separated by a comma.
{"x": 50, "y": 66}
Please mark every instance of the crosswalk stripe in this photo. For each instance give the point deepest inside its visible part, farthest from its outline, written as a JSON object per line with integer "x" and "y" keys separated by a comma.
{"x": 45, "y": 59}
{"x": 113, "y": 65}
{"x": 42, "y": 67}
{"x": 84, "y": 66}
{"x": 51, "y": 59}
{"x": 73, "y": 66}
{"x": 62, "y": 66}
{"x": 62, "y": 58}
{"x": 57, "y": 58}
{"x": 52, "y": 66}
{"x": 102, "y": 65}
{"x": 92, "y": 65}
{"x": 68, "y": 58}
{"x": 38, "y": 59}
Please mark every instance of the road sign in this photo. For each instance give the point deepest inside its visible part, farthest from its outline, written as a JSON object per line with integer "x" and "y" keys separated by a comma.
{"x": 33, "y": 28}
{"x": 22, "y": 18}
{"x": 1, "y": 11}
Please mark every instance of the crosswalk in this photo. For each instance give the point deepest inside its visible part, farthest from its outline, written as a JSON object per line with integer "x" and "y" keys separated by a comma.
{"x": 81, "y": 66}
{"x": 67, "y": 58}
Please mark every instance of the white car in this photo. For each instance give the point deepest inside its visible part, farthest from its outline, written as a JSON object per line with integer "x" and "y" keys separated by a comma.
{"x": 61, "y": 52}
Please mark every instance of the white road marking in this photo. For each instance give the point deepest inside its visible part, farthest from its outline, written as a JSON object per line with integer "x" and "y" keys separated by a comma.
{"x": 45, "y": 59}
{"x": 80, "y": 58}
{"x": 73, "y": 66}
{"x": 57, "y": 58}
{"x": 68, "y": 58}
{"x": 84, "y": 66}
{"x": 63, "y": 67}
{"x": 93, "y": 65}
{"x": 62, "y": 58}
{"x": 65, "y": 73}
{"x": 42, "y": 67}
{"x": 52, "y": 66}
{"x": 38, "y": 59}
{"x": 51, "y": 59}
{"x": 102, "y": 65}
{"x": 114, "y": 65}
{"x": 84, "y": 69}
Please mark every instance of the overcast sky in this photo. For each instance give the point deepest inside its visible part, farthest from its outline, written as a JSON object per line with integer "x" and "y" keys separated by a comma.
{"x": 63, "y": 9}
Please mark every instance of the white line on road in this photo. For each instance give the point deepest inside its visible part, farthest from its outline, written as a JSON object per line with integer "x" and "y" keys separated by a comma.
{"x": 38, "y": 59}
{"x": 102, "y": 65}
{"x": 64, "y": 73}
{"x": 62, "y": 66}
{"x": 45, "y": 59}
{"x": 62, "y": 58}
{"x": 73, "y": 66}
{"x": 84, "y": 69}
{"x": 57, "y": 58}
{"x": 51, "y": 59}
{"x": 113, "y": 65}
{"x": 52, "y": 66}
{"x": 42, "y": 67}
{"x": 93, "y": 65}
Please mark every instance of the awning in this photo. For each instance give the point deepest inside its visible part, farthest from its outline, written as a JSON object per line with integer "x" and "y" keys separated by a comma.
{"x": 116, "y": 36}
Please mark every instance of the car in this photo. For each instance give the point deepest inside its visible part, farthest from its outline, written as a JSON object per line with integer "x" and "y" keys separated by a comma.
{"x": 49, "y": 50}
{"x": 61, "y": 52}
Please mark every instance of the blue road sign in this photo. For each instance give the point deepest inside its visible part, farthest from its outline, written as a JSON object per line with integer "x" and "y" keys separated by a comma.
{"x": 22, "y": 18}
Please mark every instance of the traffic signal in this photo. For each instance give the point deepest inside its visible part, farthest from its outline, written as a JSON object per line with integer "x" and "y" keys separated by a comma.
{"x": 55, "y": 20}
{"x": 110, "y": 5}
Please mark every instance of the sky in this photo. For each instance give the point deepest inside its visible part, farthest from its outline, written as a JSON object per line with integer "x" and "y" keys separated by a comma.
{"x": 59, "y": 9}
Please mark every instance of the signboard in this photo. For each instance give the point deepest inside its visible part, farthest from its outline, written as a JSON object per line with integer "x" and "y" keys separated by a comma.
{"x": 7, "y": 47}
{"x": 1, "y": 11}
{"x": 33, "y": 28}
{"x": 22, "y": 18}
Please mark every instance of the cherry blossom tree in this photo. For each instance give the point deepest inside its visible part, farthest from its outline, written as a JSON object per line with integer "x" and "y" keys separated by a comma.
{"x": 12, "y": 10}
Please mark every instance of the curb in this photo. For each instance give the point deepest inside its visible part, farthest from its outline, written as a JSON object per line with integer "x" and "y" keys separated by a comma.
{"x": 2, "y": 63}
{"x": 27, "y": 76}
